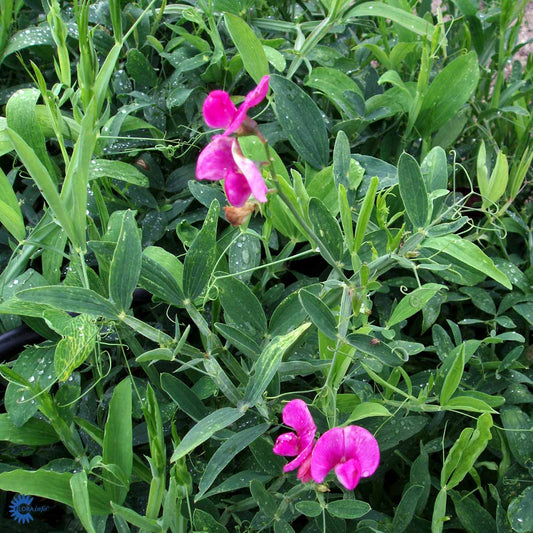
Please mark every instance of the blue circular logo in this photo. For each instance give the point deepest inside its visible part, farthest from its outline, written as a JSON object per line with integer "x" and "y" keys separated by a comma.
{"x": 20, "y": 508}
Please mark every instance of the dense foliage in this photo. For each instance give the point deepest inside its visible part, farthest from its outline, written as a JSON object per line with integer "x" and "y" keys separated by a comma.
{"x": 149, "y": 346}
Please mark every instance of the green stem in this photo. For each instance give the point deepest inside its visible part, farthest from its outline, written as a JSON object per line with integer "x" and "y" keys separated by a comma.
{"x": 315, "y": 37}
{"x": 344, "y": 320}
{"x": 307, "y": 229}
{"x": 66, "y": 432}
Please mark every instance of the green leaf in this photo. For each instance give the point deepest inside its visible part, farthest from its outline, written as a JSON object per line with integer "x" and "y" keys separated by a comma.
{"x": 10, "y": 213}
{"x": 467, "y": 403}
{"x": 125, "y": 266}
{"x": 474, "y": 517}
{"x": 44, "y": 181}
{"x": 340, "y": 89}
{"x": 518, "y": 433}
{"x": 31, "y": 36}
{"x": 301, "y": 121}
{"x": 35, "y": 365}
{"x": 249, "y": 47}
{"x": 402, "y": 17}
{"x": 327, "y": 228}
{"x": 413, "y": 302}
{"x": 434, "y": 170}
{"x": 79, "y": 340}
{"x": 53, "y": 486}
{"x": 205, "y": 523}
{"x": 467, "y": 252}
{"x": 184, "y": 397}
{"x": 419, "y": 475}
{"x": 406, "y": 509}
{"x": 520, "y": 512}
{"x": 309, "y": 508}
{"x": 242, "y": 309}
{"x": 319, "y": 313}
{"x": 439, "y": 512}
{"x": 364, "y": 213}
{"x": 22, "y": 118}
{"x": 134, "y": 518}
{"x": 349, "y": 509}
{"x": 157, "y": 354}
{"x": 202, "y": 255}
{"x": 413, "y": 191}
{"x": 268, "y": 363}
{"x": 498, "y": 181}
{"x": 205, "y": 429}
{"x": 117, "y": 170}
{"x": 453, "y": 376}
{"x": 80, "y": 499}
{"x": 378, "y": 350}
{"x": 140, "y": 70}
{"x": 464, "y": 453}
{"x": 243, "y": 342}
{"x": 238, "y": 481}
{"x": 34, "y": 432}
{"x": 346, "y": 217}
{"x": 440, "y": 104}
{"x": 73, "y": 299}
{"x": 225, "y": 454}
{"x": 266, "y": 502}
{"x": 117, "y": 446}
{"x": 366, "y": 410}
{"x": 159, "y": 279}
{"x": 243, "y": 256}
{"x": 289, "y": 314}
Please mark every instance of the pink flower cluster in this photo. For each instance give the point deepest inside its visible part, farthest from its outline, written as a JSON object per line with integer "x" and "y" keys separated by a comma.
{"x": 222, "y": 157}
{"x": 351, "y": 451}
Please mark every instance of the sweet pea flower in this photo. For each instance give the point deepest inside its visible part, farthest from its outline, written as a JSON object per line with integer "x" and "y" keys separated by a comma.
{"x": 222, "y": 159}
{"x": 220, "y": 112}
{"x": 352, "y": 451}
{"x": 300, "y": 444}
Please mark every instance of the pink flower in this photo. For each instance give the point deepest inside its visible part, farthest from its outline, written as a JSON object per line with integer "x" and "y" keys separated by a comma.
{"x": 220, "y": 112}
{"x": 352, "y": 451}
{"x": 300, "y": 444}
{"x": 222, "y": 159}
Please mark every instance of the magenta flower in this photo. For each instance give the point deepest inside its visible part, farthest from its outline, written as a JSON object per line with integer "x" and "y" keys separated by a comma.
{"x": 300, "y": 444}
{"x": 220, "y": 112}
{"x": 352, "y": 451}
{"x": 222, "y": 159}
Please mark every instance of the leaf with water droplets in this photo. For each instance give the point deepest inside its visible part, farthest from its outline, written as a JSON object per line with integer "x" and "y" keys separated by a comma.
{"x": 413, "y": 302}
{"x": 520, "y": 512}
{"x": 36, "y": 366}
{"x": 301, "y": 120}
{"x": 79, "y": 340}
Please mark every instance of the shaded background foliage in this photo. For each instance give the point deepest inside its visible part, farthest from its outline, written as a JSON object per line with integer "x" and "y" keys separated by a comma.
{"x": 404, "y": 304}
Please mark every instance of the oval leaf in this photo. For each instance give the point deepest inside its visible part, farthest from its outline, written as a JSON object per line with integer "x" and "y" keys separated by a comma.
{"x": 301, "y": 121}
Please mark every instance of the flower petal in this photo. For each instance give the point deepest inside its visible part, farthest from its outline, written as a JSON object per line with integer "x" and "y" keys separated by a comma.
{"x": 253, "y": 98}
{"x": 304, "y": 472}
{"x": 328, "y": 453}
{"x": 304, "y": 454}
{"x": 287, "y": 445}
{"x": 216, "y": 159}
{"x": 296, "y": 415}
{"x": 348, "y": 473}
{"x": 257, "y": 95}
{"x": 251, "y": 173}
{"x": 360, "y": 444}
{"x": 218, "y": 109}
{"x": 237, "y": 188}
